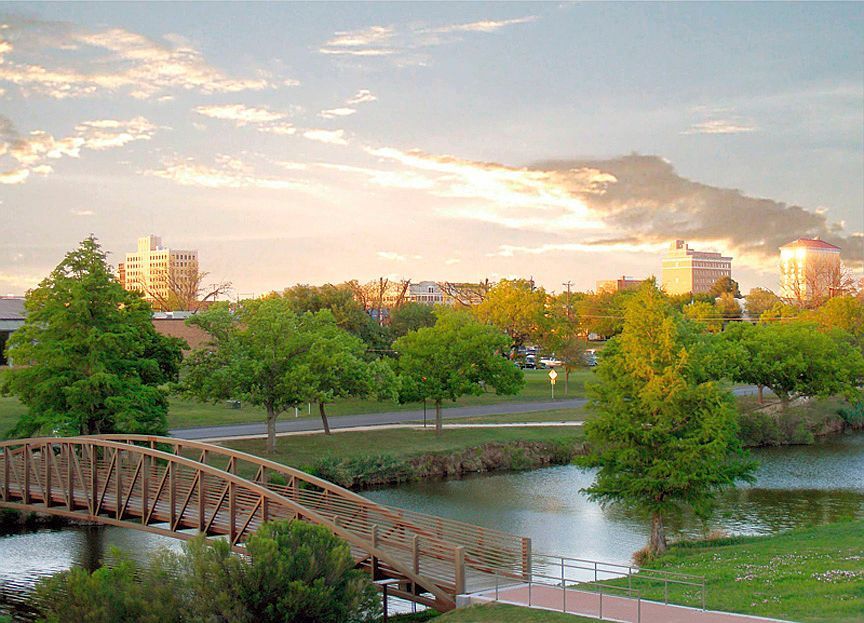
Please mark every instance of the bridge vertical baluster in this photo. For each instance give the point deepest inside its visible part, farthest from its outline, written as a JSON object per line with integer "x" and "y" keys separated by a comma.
{"x": 46, "y": 463}
{"x": 26, "y": 493}
{"x": 118, "y": 483}
{"x": 232, "y": 513}
{"x": 202, "y": 499}
{"x": 66, "y": 450}
{"x": 172, "y": 494}
{"x": 145, "y": 487}
{"x": 415, "y": 559}
{"x": 374, "y": 536}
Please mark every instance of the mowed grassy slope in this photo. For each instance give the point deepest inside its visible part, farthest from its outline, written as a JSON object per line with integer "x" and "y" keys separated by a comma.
{"x": 809, "y": 575}
{"x": 400, "y": 443}
{"x": 501, "y": 613}
{"x": 190, "y": 413}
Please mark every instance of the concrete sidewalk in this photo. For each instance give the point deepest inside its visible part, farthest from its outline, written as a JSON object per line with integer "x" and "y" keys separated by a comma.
{"x": 622, "y": 609}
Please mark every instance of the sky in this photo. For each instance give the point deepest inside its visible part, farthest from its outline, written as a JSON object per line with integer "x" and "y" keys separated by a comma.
{"x": 312, "y": 143}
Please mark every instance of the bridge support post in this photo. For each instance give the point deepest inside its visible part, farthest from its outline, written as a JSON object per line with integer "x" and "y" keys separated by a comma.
{"x": 374, "y": 535}
{"x": 46, "y": 463}
{"x": 459, "y": 558}
{"x": 526, "y": 559}
{"x": 26, "y": 492}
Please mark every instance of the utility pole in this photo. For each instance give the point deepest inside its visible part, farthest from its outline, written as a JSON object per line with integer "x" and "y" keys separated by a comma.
{"x": 568, "y": 285}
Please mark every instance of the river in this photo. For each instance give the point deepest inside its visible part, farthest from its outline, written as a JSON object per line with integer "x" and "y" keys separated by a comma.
{"x": 795, "y": 486}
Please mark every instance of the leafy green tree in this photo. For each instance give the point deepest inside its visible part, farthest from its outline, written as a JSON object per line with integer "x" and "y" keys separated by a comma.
{"x": 661, "y": 437}
{"x": 91, "y": 360}
{"x": 841, "y": 312}
{"x": 410, "y": 317}
{"x": 517, "y": 308}
{"x": 679, "y": 301}
{"x": 780, "y": 311}
{"x": 256, "y": 354}
{"x": 603, "y": 313}
{"x": 458, "y": 356}
{"x": 705, "y": 314}
{"x": 335, "y": 367}
{"x": 572, "y": 353}
{"x": 795, "y": 359}
{"x": 725, "y": 285}
{"x": 349, "y": 314}
{"x": 759, "y": 301}
{"x": 727, "y": 307}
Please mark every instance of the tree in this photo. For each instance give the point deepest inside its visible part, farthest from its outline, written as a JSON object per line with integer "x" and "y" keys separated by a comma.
{"x": 725, "y": 285}
{"x": 92, "y": 361}
{"x": 662, "y": 437}
{"x": 727, "y": 307}
{"x": 808, "y": 283}
{"x": 292, "y": 571}
{"x": 517, "y": 308}
{"x": 602, "y": 313}
{"x": 795, "y": 359}
{"x": 572, "y": 353}
{"x": 458, "y": 356}
{"x": 705, "y": 314}
{"x": 255, "y": 354}
{"x": 187, "y": 294}
{"x": 759, "y": 301}
{"x": 410, "y": 317}
{"x": 334, "y": 367}
{"x": 841, "y": 312}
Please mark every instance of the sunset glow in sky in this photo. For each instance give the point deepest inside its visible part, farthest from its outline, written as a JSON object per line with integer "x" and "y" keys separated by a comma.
{"x": 326, "y": 142}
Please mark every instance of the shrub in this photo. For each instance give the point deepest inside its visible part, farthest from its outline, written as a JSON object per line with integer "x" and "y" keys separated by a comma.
{"x": 759, "y": 429}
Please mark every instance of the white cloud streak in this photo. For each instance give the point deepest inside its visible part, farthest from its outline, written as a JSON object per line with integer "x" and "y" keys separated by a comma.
{"x": 331, "y": 137}
{"x": 259, "y": 117}
{"x": 228, "y": 172}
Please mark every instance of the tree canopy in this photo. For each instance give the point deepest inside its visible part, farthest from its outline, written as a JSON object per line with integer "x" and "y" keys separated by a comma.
{"x": 92, "y": 361}
{"x": 457, "y": 356}
{"x": 662, "y": 436}
{"x": 725, "y": 285}
{"x": 410, "y": 317}
{"x": 759, "y": 301}
{"x": 517, "y": 308}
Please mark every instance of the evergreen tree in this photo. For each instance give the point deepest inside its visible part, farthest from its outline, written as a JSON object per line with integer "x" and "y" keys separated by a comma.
{"x": 91, "y": 361}
{"x": 662, "y": 436}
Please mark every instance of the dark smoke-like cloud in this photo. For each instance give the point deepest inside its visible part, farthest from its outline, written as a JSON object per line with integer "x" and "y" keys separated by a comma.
{"x": 650, "y": 202}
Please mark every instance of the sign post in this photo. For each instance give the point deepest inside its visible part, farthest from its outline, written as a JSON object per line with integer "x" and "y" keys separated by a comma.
{"x": 552, "y": 376}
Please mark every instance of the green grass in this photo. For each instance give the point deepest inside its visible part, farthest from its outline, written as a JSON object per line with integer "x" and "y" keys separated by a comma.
{"x": 304, "y": 450}
{"x": 796, "y": 575}
{"x": 578, "y": 414}
{"x": 189, "y": 413}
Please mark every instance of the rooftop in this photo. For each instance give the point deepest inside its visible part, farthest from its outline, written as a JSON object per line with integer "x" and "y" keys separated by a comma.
{"x": 12, "y": 308}
{"x": 813, "y": 243}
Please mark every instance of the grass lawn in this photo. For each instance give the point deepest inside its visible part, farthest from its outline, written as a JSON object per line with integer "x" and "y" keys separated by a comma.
{"x": 578, "y": 414}
{"x": 808, "y": 575}
{"x": 304, "y": 450}
{"x": 188, "y": 413}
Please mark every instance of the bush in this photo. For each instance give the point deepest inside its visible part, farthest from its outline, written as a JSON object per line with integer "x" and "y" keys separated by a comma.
{"x": 363, "y": 470}
{"x": 759, "y": 429}
{"x": 294, "y": 571}
{"x": 853, "y": 415}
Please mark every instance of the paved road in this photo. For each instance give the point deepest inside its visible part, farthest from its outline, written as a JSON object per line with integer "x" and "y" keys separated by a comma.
{"x": 288, "y": 424}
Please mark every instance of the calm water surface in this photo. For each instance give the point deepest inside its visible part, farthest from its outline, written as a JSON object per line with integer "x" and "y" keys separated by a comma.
{"x": 796, "y": 486}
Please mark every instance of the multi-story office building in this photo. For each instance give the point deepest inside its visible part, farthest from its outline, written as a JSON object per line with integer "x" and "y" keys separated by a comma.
{"x": 159, "y": 273}
{"x": 810, "y": 270}
{"x": 687, "y": 270}
{"x": 617, "y": 285}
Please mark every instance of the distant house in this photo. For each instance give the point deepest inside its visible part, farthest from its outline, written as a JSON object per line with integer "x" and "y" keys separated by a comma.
{"x": 12, "y": 317}
{"x": 618, "y": 285}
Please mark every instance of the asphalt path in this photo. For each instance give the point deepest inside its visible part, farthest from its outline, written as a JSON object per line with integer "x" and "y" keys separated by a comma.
{"x": 288, "y": 424}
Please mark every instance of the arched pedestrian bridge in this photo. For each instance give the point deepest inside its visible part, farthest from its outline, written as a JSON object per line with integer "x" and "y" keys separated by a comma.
{"x": 180, "y": 488}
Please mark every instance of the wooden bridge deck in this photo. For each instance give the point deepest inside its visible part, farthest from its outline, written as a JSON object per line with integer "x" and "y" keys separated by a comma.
{"x": 169, "y": 486}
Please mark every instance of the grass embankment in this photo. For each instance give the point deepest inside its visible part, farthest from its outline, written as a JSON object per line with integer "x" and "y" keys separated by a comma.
{"x": 809, "y": 575}
{"x": 801, "y": 424}
{"x": 190, "y": 413}
{"x": 368, "y": 458}
{"x": 494, "y": 613}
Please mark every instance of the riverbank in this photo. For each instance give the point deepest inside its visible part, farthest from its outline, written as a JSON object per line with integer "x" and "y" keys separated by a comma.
{"x": 812, "y": 575}
{"x": 388, "y": 457}
{"x": 493, "y": 613}
{"x": 766, "y": 425}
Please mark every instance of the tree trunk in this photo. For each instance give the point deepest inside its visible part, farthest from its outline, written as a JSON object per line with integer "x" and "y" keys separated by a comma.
{"x": 566, "y": 381}
{"x": 324, "y": 418}
{"x": 657, "y": 544}
{"x": 761, "y": 398}
{"x": 271, "y": 429}
{"x": 439, "y": 426}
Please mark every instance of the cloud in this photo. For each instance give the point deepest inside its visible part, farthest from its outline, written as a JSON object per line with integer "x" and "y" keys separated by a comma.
{"x": 391, "y": 256}
{"x": 259, "y": 117}
{"x": 649, "y": 203}
{"x": 85, "y": 62}
{"x": 720, "y": 126}
{"x": 507, "y": 196}
{"x": 82, "y": 212}
{"x": 30, "y": 152}
{"x": 363, "y": 96}
{"x": 402, "y": 45}
{"x": 332, "y": 137}
{"x": 333, "y": 113}
{"x": 228, "y": 172}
